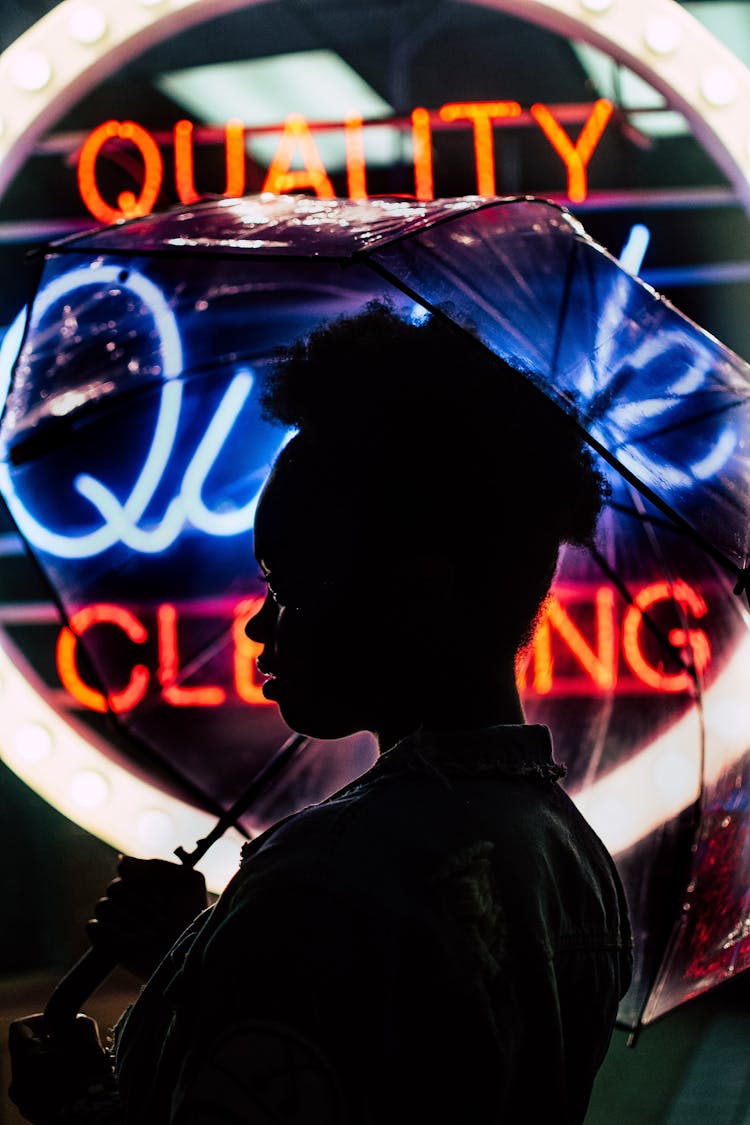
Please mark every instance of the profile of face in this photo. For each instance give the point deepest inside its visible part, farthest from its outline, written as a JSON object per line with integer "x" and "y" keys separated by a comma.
{"x": 340, "y": 641}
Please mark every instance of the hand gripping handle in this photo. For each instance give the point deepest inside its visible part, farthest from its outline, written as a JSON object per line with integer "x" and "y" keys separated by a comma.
{"x": 96, "y": 964}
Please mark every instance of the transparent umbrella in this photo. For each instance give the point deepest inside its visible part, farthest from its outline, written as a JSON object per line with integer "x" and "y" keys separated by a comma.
{"x": 133, "y": 453}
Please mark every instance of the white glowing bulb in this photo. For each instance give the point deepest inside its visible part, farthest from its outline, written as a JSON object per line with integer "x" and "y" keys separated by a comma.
{"x": 32, "y": 71}
{"x": 88, "y": 24}
{"x": 718, "y": 86}
{"x": 611, "y": 820}
{"x": 662, "y": 35}
{"x": 89, "y": 789}
{"x": 155, "y": 828}
{"x": 675, "y": 777}
{"x": 729, "y": 719}
{"x": 221, "y": 861}
{"x": 627, "y": 811}
{"x": 32, "y": 742}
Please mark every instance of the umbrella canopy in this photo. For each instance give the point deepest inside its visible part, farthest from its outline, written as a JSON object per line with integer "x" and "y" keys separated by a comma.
{"x": 133, "y": 453}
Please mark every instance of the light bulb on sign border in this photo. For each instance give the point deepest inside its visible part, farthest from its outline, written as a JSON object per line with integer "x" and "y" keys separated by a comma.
{"x": 620, "y": 27}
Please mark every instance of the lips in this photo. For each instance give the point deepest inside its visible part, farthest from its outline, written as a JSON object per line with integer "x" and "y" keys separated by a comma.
{"x": 269, "y": 684}
{"x": 269, "y": 689}
{"x": 263, "y": 667}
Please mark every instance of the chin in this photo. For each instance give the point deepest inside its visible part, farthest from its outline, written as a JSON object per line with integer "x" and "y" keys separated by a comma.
{"x": 315, "y": 721}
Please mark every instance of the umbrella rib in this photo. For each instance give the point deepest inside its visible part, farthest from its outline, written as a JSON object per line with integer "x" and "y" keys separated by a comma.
{"x": 563, "y": 310}
{"x": 658, "y": 551}
{"x": 78, "y": 243}
{"x": 431, "y": 307}
{"x": 365, "y": 251}
{"x": 706, "y": 416}
{"x": 149, "y": 752}
{"x": 648, "y": 621}
{"x": 644, "y": 518}
{"x": 198, "y": 252}
{"x": 674, "y": 517}
{"x": 260, "y": 780}
{"x": 186, "y": 783}
{"x": 434, "y": 256}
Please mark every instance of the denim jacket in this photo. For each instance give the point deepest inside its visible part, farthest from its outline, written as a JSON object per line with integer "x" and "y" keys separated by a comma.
{"x": 445, "y": 940}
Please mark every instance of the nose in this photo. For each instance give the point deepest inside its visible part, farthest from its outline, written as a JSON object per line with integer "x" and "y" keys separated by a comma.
{"x": 260, "y": 626}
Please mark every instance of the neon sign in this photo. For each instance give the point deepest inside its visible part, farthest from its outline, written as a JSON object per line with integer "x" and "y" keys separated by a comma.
{"x": 246, "y": 682}
{"x": 558, "y": 633}
{"x": 561, "y": 661}
{"x": 297, "y": 147}
{"x": 120, "y": 519}
{"x": 162, "y": 494}
{"x": 60, "y": 56}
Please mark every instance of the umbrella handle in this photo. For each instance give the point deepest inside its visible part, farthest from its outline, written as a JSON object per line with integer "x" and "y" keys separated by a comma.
{"x": 96, "y": 964}
{"x": 83, "y": 978}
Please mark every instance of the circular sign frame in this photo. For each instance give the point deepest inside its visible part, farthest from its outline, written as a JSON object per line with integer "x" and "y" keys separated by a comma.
{"x": 62, "y": 57}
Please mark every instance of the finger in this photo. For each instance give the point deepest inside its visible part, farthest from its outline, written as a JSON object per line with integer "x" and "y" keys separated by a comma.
{"x": 117, "y": 943}
{"x": 133, "y": 910}
{"x": 86, "y": 1031}
{"x": 105, "y": 908}
{"x": 121, "y": 928}
{"x": 25, "y": 1031}
{"x": 158, "y": 881}
{"x": 148, "y": 869}
{"x": 123, "y": 924}
{"x": 133, "y": 895}
{"x": 115, "y": 888}
{"x": 130, "y": 867}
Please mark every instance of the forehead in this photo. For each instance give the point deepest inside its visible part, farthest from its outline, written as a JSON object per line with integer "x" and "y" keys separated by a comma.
{"x": 304, "y": 508}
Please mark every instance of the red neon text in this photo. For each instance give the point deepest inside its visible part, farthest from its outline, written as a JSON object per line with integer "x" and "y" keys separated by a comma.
{"x": 596, "y": 652}
{"x": 246, "y": 682}
{"x": 128, "y": 206}
{"x": 298, "y": 166}
{"x": 183, "y": 160}
{"x": 583, "y": 645}
{"x": 482, "y": 115}
{"x": 576, "y": 156}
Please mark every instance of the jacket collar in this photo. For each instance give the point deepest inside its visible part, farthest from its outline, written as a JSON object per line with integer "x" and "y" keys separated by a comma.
{"x": 512, "y": 750}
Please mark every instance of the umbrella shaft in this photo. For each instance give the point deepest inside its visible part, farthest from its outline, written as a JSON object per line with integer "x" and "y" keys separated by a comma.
{"x": 88, "y": 972}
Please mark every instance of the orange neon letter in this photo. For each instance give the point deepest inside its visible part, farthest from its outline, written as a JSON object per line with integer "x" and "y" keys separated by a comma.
{"x": 169, "y": 667}
{"x": 599, "y": 665}
{"x": 421, "y": 137}
{"x": 482, "y": 114}
{"x": 67, "y": 668}
{"x": 247, "y": 681}
{"x": 128, "y": 206}
{"x": 575, "y": 156}
{"x": 355, "y": 158}
{"x": 183, "y": 160}
{"x": 280, "y": 178}
{"x": 692, "y": 602}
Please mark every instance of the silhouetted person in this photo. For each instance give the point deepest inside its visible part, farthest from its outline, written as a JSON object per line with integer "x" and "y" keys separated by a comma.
{"x": 445, "y": 940}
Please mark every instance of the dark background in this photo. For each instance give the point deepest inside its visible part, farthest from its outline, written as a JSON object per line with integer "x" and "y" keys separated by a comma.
{"x": 691, "y": 1066}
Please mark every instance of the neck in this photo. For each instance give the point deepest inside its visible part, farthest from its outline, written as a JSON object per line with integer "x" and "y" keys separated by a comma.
{"x": 476, "y": 700}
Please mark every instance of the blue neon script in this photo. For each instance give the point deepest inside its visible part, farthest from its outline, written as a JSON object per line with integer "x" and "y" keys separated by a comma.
{"x": 122, "y": 520}
{"x": 197, "y": 459}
